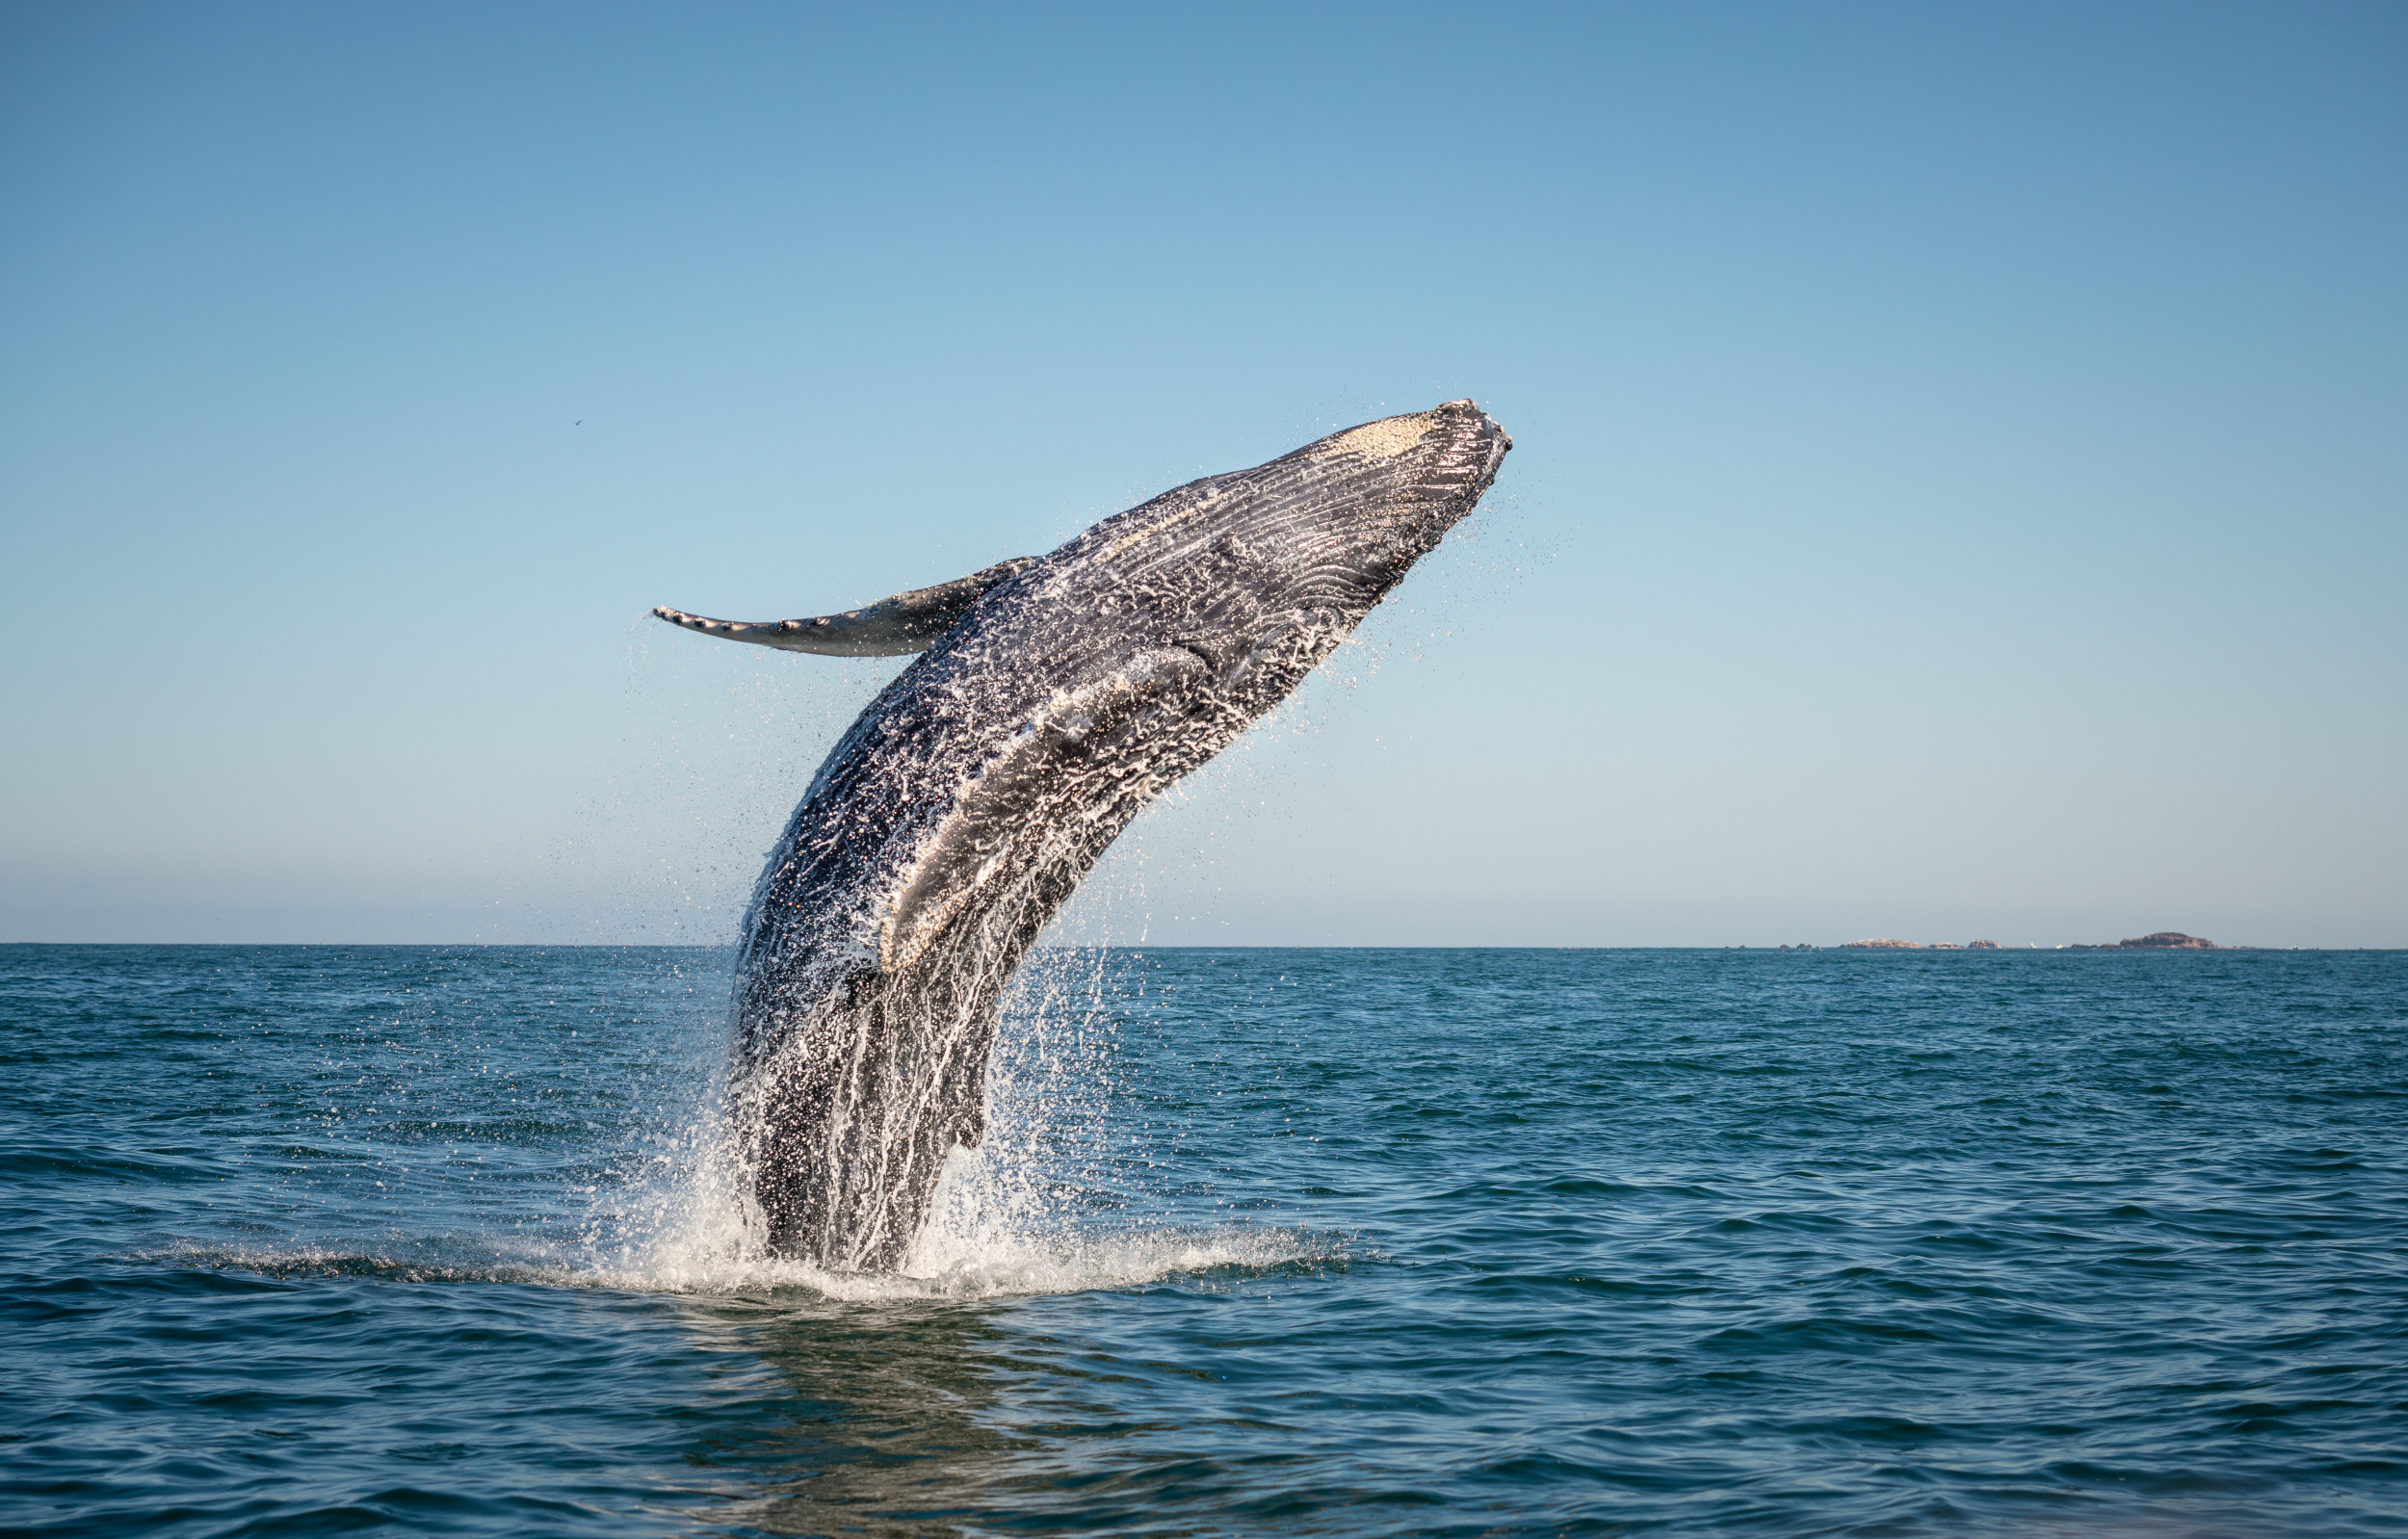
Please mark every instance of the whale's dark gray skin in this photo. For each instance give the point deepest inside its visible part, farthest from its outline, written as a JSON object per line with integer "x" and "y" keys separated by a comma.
{"x": 1058, "y": 697}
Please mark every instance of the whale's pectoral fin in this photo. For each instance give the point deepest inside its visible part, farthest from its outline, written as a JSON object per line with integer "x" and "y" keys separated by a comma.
{"x": 891, "y": 627}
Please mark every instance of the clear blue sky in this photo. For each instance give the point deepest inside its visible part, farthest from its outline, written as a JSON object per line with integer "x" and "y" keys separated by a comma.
{"x": 1962, "y": 485}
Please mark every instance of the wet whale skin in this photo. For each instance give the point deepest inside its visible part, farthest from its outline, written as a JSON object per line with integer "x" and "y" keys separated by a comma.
{"x": 962, "y": 807}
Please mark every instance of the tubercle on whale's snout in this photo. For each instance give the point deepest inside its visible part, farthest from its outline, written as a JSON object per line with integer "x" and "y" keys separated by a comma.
{"x": 1468, "y": 453}
{"x": 1485, "y": 428}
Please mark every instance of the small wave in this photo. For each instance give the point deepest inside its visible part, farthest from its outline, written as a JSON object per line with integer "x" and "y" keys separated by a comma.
{"x": 1017, "y": 1266}
{"x": 1032, "y": 1264}
{"x": 304, "y": 1260}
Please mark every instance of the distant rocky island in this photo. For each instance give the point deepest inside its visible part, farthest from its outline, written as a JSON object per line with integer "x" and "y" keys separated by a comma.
{"x": 2164, "y": 940}
{"x": 1888, "y": 943}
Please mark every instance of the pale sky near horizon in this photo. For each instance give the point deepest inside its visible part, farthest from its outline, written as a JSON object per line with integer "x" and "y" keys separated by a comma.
{"x": 1960, "y": 486}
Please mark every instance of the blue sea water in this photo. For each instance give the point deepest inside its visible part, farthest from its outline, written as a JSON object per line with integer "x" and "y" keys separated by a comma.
{"x": 345, "y": 1241}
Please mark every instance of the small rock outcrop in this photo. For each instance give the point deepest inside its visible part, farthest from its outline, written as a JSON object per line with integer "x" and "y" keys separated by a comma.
{"x": 2164, "y": 940}
{"x": 1884, "y": 944}
{"x": 1981, "y": 946}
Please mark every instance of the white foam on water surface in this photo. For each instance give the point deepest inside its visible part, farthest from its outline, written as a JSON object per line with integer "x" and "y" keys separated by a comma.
{"x": 943, "y": 1268}
{"x": 1032, "y": 1264}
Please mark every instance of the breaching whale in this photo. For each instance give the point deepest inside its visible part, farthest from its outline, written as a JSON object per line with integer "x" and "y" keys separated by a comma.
{"x": 1055, "y": 697}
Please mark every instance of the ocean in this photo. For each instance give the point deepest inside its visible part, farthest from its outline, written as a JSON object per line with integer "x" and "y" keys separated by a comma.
{"x": 317, "y": 1240}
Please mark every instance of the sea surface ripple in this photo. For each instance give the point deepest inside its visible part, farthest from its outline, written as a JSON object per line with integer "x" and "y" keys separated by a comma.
{"x": 300, "y": 1240}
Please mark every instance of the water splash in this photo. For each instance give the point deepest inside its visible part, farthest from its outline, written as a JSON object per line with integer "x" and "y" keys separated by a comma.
{"x": 1053, "y": 1200}
{"x": 428, "y": 1132}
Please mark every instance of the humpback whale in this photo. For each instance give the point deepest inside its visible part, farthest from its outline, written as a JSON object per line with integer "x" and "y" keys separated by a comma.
{"x": 1052, "y": 700}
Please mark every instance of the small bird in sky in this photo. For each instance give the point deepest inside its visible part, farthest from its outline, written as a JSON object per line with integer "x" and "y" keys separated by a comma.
{"x": 578, "y": 423}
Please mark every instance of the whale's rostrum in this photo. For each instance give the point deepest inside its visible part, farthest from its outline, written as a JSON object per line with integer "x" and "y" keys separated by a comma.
{"x": 1054, "y": 699}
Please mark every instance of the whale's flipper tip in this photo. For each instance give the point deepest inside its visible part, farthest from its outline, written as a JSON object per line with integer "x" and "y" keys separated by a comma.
{"x": 700, "y": 622}
{"x": 892, "y": 627}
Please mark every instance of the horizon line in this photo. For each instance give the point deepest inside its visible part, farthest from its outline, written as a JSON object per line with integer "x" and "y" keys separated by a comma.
{"x": 1793, "y": 948}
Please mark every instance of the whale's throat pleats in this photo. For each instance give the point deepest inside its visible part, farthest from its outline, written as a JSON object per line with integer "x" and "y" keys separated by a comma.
{"x": 892, "y": 627}
{"x": 1052, "y": 794}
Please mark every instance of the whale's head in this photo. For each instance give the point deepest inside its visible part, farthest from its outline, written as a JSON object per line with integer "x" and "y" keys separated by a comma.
{"x": 1324, "y": 532}
{"x": 1301, "y": 548}
{"x": 1387, "y": 491}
